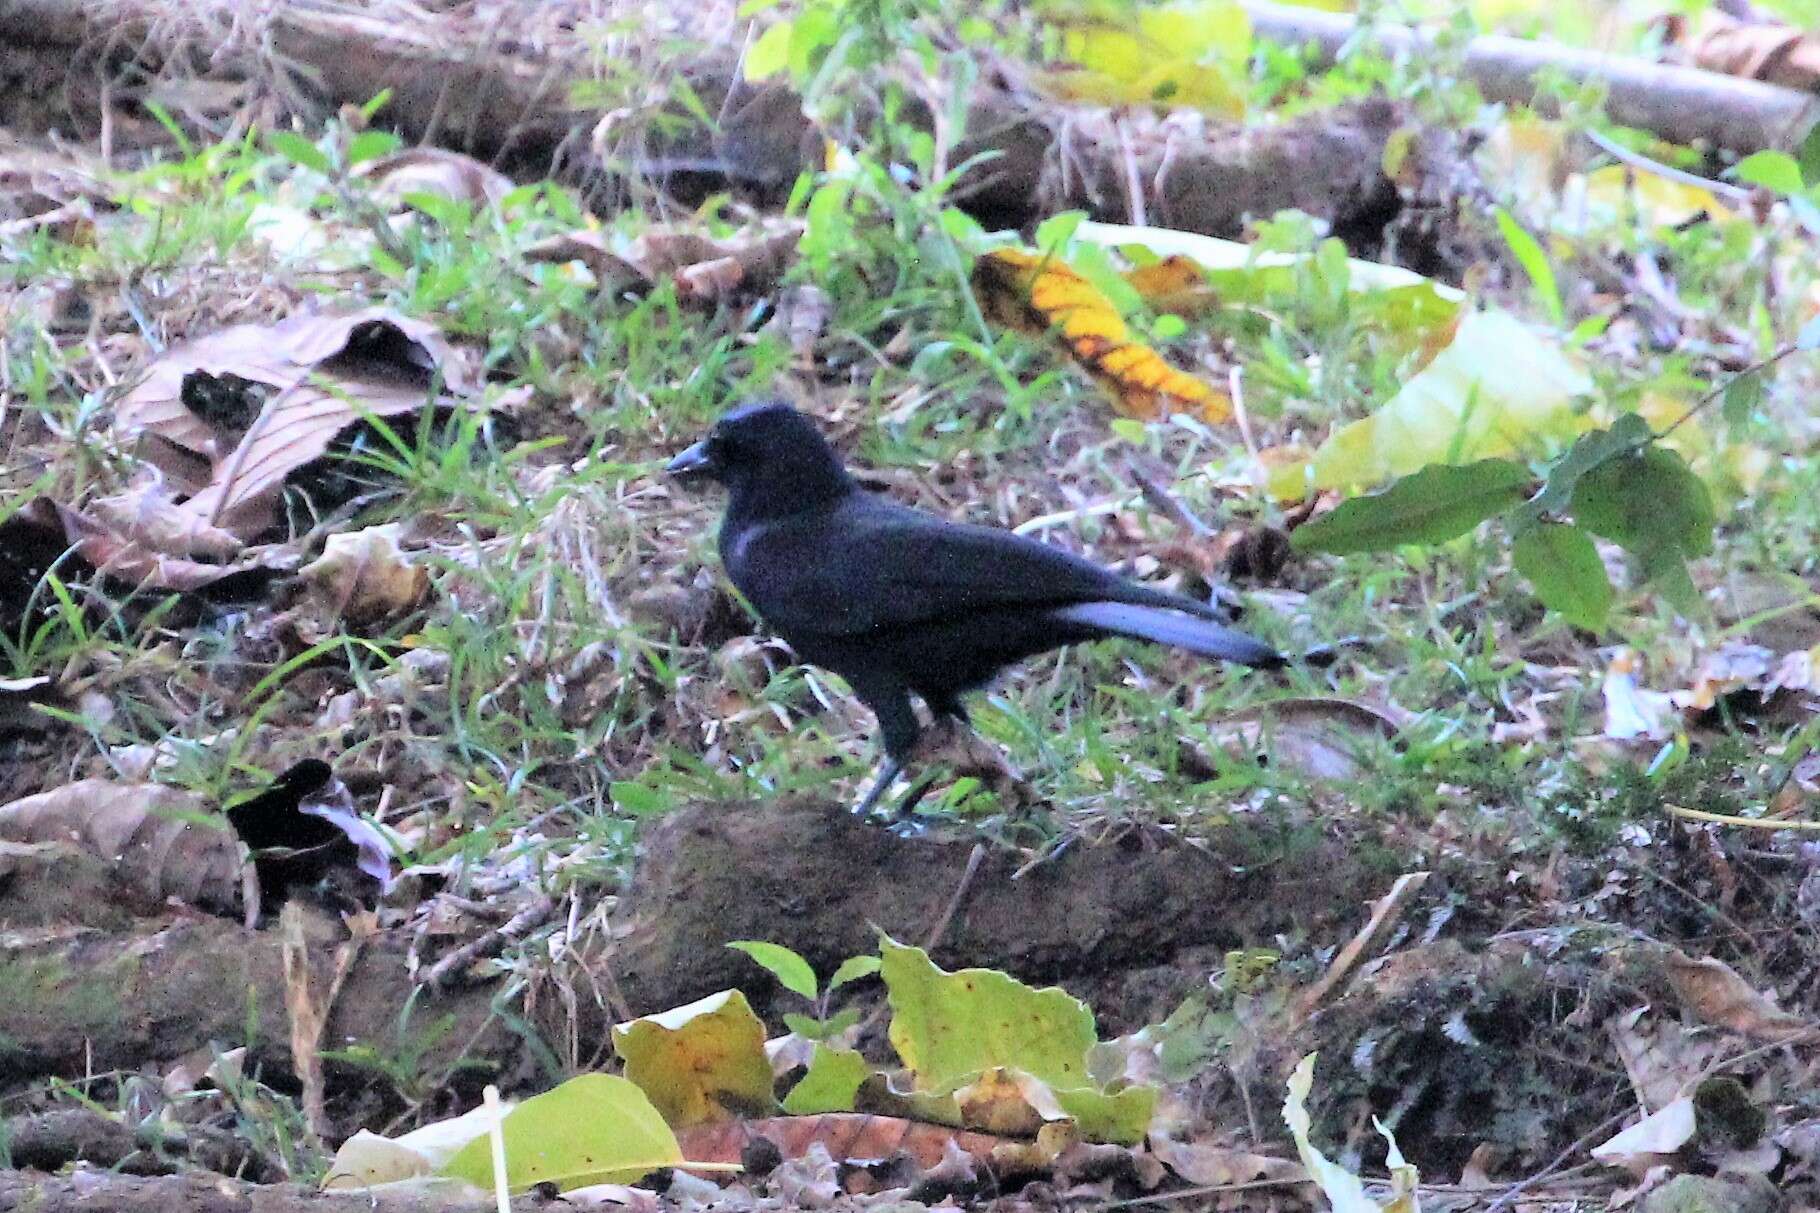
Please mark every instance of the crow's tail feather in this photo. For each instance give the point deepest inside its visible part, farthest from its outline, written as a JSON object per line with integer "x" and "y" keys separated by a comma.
{"x": 1164, "y": 626}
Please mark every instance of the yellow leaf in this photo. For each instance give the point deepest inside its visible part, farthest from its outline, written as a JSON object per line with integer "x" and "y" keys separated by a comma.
{"x": 700, "y": 1062}
{"x": 1612, "y": 192}
{"x": 1034, "y": 294}
{"x": 1190, "y": 54}
{"x": 1498, "y": 388}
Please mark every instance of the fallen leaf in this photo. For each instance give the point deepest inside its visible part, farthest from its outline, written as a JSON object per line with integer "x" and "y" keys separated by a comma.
{"x": 699, "y": 1062}
{"x": 1187, "y": 54}
{"x": 1758, "y": 50}
{"x": 277, "y": 396}
{"x": 1652, "y": 1141}
{"x": 592, "y": 1129}
{"x": 1715, "y": 993}
{"x": 364, "y": 575}
{"x": 435, "y": 170}
{"x": 702, "y": 267}
{"x": 1463, "y": 406}
{"x": 849, "y": 1135}
{"x": 1036, "y": 294}
{"x": 1317, "y": 738}
{"x": 1205, "y": 1162}
{"x": 162, "y": 841}
{"x": 1631, "y": 711}
{"x": 1343, "y": 1190}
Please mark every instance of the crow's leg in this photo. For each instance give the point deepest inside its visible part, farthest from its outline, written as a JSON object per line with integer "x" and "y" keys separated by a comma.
{"x": 897, "y": 724}
{"x": 888, "y": 771}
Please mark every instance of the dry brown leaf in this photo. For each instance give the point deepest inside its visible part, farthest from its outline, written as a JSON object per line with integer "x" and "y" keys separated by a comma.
{"x": 311, "y": 376}
{"x": 1714, "y": 992}
{"x": 845, "y": 1135}
{"x": 702, "y": 267}
{"x": 138, "y": 560}
{"x": 435, "y": 170}
{"x": 364, "y": 575}
{"x": 162, "y": 841}
{"x": 1205, "y": 1162}
{"x": 1316, "y": 737}
{"x": 1766, "y": 51}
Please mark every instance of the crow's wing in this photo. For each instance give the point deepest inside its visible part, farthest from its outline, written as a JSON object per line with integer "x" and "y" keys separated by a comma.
{"x": 869, "y": 564}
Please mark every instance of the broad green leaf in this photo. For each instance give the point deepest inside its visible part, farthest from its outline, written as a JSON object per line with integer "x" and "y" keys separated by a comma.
{"x": 792, "y": 971}
{"x": 1562, "y": 564}
{"x": 1742, "y": 396}
{"x": 1772, "y": 170}
{"x": 300, "y": 151}
{"x": 1497, "y": 389}
{"x": 1534, "y": 260}
{"x": 1628, "y": 433}
{"x": 593, "y": 1129}
{"x": 852, "y": 969}
{"x": 951, "y": 1027}
{"x": 830, "y": 1084}
{"x": 1647, "y": 500}
{"x": 1431, "y": 506}
{"x": 770, "y": 53}
{"x": 1344, "y": 1191}
{"x": 700, "y": 1062}
{"x": 1653, "y": 506}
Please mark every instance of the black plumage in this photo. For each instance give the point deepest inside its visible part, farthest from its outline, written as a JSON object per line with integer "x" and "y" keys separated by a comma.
{"x": 901, "y": 602}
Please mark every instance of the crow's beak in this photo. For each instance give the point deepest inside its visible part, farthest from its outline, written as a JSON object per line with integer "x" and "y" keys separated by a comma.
{"x": 696, "y": 461}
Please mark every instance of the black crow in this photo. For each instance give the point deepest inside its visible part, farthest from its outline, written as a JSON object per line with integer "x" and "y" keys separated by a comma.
{"x": 898, "y": 601}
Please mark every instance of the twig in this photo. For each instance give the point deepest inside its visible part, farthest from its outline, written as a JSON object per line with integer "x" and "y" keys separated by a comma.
{"x": 1637, "y": 160}
{"x": 1382, "y": 911}
{"x": 960, "y": 893}
{"x": 1559, "y": 1164}
{"x": 1724, "y": 819}
{"x": 513, "y": 929}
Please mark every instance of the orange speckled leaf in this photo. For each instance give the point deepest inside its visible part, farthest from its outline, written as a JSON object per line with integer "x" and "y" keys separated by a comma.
{"x": 1035, "y": 294}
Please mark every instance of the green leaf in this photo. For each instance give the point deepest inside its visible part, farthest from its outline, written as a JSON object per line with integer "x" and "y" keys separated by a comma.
{"x": 1777, "y": 171}
{"x": 951, "y": 1027}
{"x": 1653, "y": 506}
{"x": 831, "y": 1083}
{"x": 1742, "y": 396}
{"x": 1499, "y": 388}
{"x": 1534, "y": 260}
{"x": 300, "y": 151}
{"x": 380, "y": 100}
{"x": 700, "y": 1062}
{"x": 852, "y": 969}
{"x": 770, "y": 54}
{"x": 594, "y": 1128}
{"x": 638, "y": 799}
{"x": 792, "y": 971}
{"x": 1054, "y": 233}
{"x": 371, "y": 145}
{"x": 1808, "y": 157}
{"x": 1648, "y": 500}
{"x": 1562, "y": 564}
{"x": 1432, "y": 506}
{"x": 1628, "y": 433}
{"x": 806, "y": 1026}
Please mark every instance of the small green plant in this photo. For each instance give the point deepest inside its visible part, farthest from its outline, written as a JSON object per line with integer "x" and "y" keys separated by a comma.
{"x": 795, "y": 975}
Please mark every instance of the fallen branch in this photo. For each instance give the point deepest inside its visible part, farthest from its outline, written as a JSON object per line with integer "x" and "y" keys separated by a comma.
{"x": 1680, "y": 104}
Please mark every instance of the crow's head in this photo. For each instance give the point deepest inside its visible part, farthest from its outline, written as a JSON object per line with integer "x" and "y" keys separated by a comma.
{"x": 771, "y": 458}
